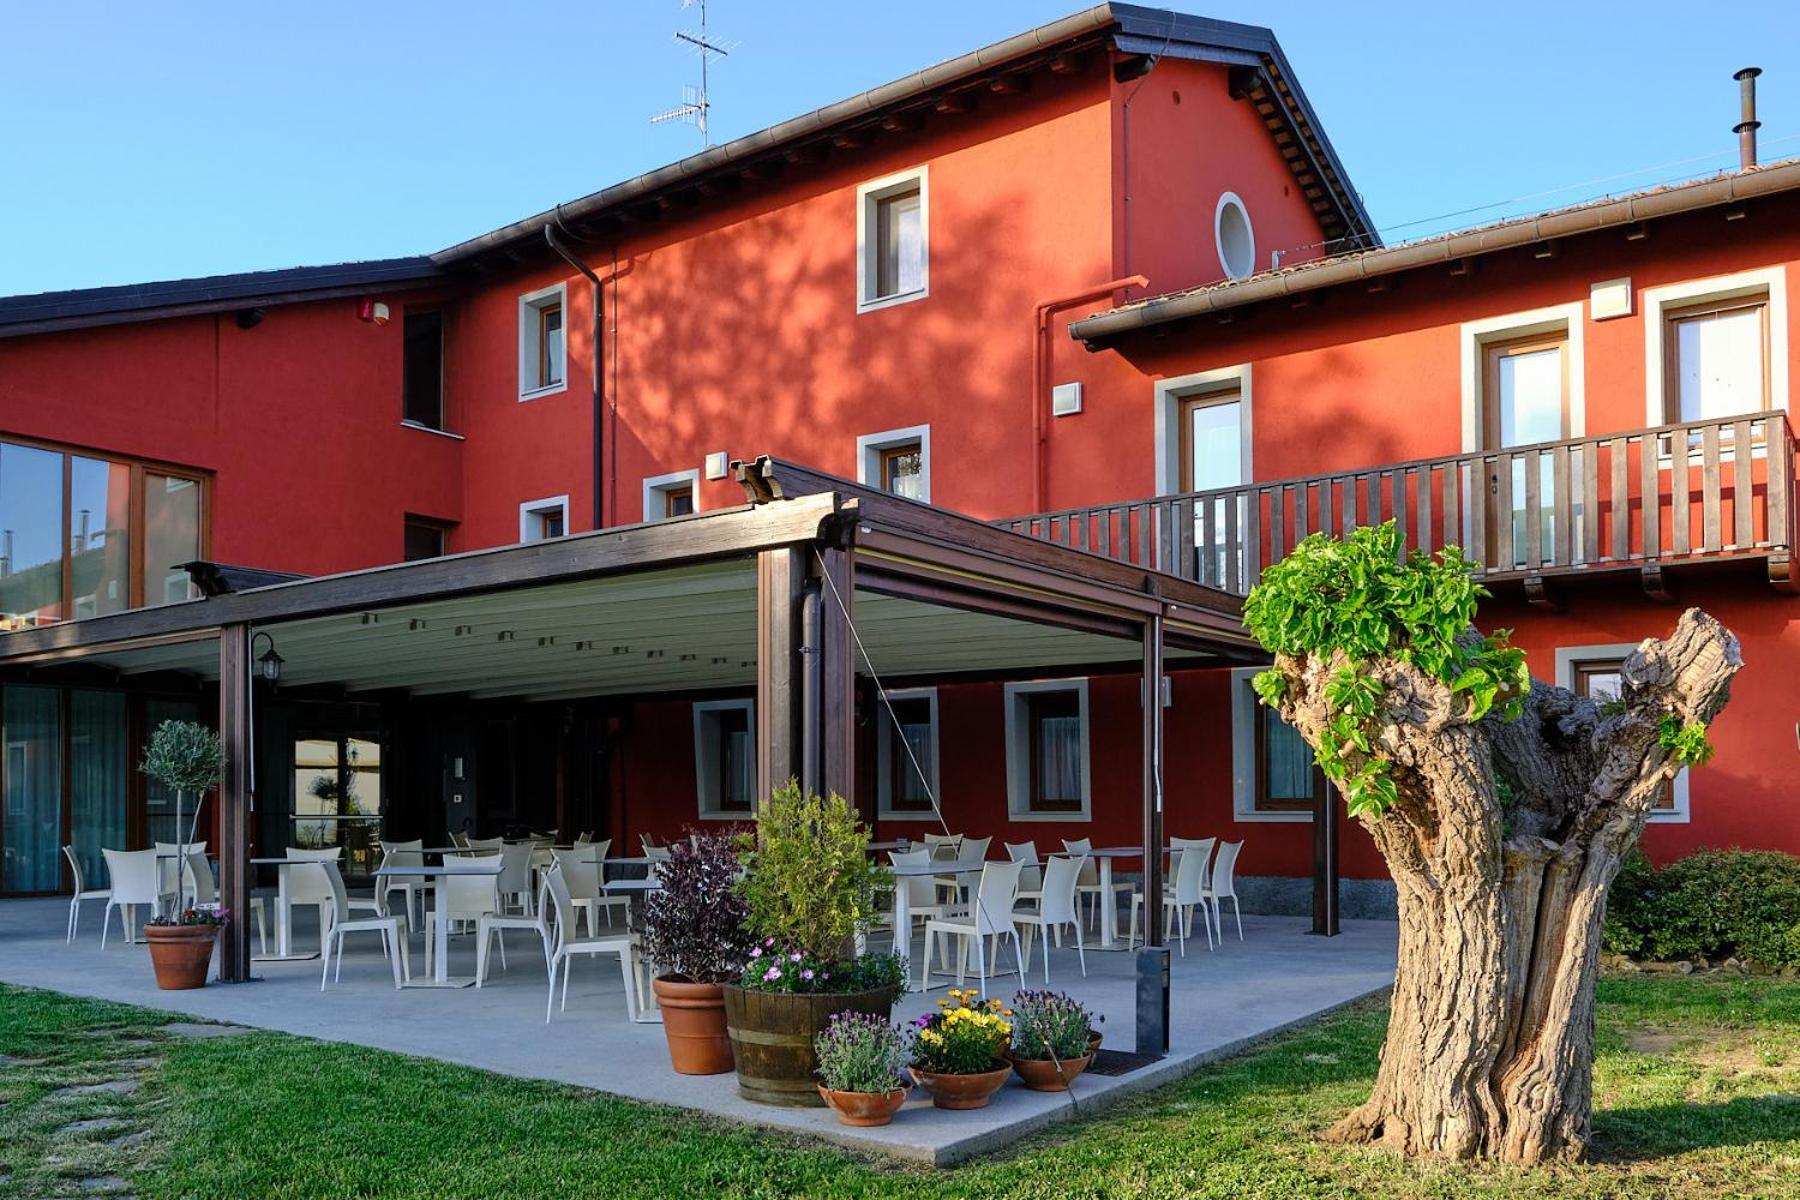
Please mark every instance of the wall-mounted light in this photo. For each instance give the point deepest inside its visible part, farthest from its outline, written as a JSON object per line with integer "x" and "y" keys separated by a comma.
{"x": 268, "y": 667}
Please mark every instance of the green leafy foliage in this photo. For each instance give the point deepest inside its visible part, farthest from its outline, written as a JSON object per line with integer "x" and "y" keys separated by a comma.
{"x": 1713, "y": 904}
{"x": 808, "y": 878}
{"x": 184, "y": 756}
{"x": 1686, "y": 744}
{"x": 1363, "y": 596}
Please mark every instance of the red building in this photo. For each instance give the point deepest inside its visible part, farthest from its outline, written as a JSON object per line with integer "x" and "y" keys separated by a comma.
{"x": 886, "y": 290}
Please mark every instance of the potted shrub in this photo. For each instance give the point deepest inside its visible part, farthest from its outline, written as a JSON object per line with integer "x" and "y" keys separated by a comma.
{"x": 181, "y": 945}
{"x": 694, "y": 931}
{"x": 184, "y": 756}
{"x": 1053, "y": 1039}
{"x": 861, "y": 1057}
{"x": 959, "y": 1053}
{"x": 812, "y": 889}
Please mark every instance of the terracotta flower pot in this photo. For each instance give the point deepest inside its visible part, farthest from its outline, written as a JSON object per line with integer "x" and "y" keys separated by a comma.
{"x": 694, "y": 1022}
{"x": 181, "y": 954}
{"x": 962, "y": 1091}
{"x": 864, "y": 1109}
{"x": 1048, "y": 1075}
{"x": 772, "y": 1038}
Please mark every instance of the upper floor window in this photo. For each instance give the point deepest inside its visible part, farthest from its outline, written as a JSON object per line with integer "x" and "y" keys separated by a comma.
{"x": 1718, "y": 359}
{"x": 1047, "y": 750}
{"x": 1597, "y": 672}
{"x": 422, "y": 369}
{"x": 541, "y": 520}
{"x": 542, "y": 344}
{"x": 673, "y": 495}
{"x": 725, "y": 757}
{"x": 82, "y": 535}
{"x": 897, "y": 461}
{"x": 1234, "y": 237}
{"x": 892, "y": 237}
{"x": 425, "y": 539}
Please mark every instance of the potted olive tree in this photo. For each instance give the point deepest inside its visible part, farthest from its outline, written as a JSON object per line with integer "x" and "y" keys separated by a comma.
{"x": 184, "y": 756}
{"x": 812, "y": 891}
{"x": 694, "y": 931}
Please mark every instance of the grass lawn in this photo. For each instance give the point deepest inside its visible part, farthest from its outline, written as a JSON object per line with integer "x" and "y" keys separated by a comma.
{"x": 1698, "y": 1087}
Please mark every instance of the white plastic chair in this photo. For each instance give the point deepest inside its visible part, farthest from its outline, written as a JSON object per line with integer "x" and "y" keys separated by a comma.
{"x": 647, "y": 843}
{"x": 492, "y": 925}
{"x": 567, "y": 947}
{"x": 922, "y": 898}
{"x": 392, "y": 939}
{"x": 166, "y": 868}
{"x": 468, "y": 890}
{"x": 484, "y": 845}
{"x": 1180, "y": 896}
{"x": 990, "y": 916}
{"x": 135, "y": 881}
{"x": 585, "y": 877}
{"x": 514, "y": 881}
{"x": 657, "y": 854}
{"x": 198, "y": 882}
{"x": 81, "y": 893}
{"x": 308, "y": 886}
{"x": 412, "y": 888}
{"x": 1031, "y": 873}
{"x": 1056, "y": 908}
{"x": 1223, "y": 883}
{"x": 584, "y": 837}
{"x": 1087, "y": 887}
{"x": 943, "y": 847}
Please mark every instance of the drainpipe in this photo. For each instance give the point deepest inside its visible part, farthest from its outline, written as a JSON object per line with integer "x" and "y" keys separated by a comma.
{"x": 1040, "y": 374}
{"x": 599, "y": 379}
{"x": 812, "y": 686}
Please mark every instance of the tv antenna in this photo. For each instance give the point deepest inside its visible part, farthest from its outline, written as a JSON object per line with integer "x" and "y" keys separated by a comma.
{"x": 695, "y": 105}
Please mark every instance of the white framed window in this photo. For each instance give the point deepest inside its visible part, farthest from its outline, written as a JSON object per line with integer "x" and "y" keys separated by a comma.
{"x": 1203, "y": 430}
{"x": 1533, "y": 413}
{"x": 893, "y": 243}
{"x": 673, "y": 495}
{"x": 543, "y": 342}
{"x": 1234, "y": 237}
{"x": 1048, "y": 774}
{"x": 1593, "y": 671}
{"x": 1716, "y": 347}
{"x": 897, "y": 461}
{"x": 1273, "y": 777}
{"x": 541, "y": 520}
{"x": 906, "y": 755}
{"x": 725, "y": 759}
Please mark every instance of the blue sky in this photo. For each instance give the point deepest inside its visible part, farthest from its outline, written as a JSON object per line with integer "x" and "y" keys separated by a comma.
{"x": 142, "y": 141}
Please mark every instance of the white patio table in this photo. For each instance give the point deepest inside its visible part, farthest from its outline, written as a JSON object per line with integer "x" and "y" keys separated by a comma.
{"x": 284, "y": 914}
{"x": 440, "y": 968}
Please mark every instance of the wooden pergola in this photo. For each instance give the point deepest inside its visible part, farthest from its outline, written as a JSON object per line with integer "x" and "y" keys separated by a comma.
{"x": 777, "y": 580}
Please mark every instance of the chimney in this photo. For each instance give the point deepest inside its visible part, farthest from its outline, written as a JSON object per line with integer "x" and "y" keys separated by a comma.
{"x": 1747, "y": 123}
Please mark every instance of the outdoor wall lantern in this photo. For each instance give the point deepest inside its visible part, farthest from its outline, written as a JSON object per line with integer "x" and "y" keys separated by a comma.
{"x": 269, "y": 665}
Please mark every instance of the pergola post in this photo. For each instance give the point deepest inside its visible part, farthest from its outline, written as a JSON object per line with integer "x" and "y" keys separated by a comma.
{"x": 780, "y": 574}
{"x": 837, "y": 672}
{"x": 1325, "y": 862}
{"x": 1153, "y": 961}
{"x": 235, "y": 800}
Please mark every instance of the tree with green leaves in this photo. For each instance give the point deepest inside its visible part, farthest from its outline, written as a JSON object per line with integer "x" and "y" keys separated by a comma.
{"x": 184, "y": 756}
{"x": 1503, "y": 807}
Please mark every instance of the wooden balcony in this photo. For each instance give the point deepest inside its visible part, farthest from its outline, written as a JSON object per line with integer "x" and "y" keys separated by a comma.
{"x": 1647, "y": 502}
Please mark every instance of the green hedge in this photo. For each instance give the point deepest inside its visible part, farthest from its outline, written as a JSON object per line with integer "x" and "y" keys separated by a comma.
{"x": 1713, "y": 904}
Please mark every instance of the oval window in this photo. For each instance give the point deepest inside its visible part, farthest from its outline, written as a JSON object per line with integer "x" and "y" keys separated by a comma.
{"x": 1234, "y": 237}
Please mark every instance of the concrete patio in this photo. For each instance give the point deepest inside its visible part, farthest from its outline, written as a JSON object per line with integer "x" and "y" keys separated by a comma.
{"x": 1222, "y": 1001}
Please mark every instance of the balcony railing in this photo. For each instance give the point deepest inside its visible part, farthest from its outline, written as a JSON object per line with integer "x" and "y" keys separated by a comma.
{"x": 1708, "y": 490}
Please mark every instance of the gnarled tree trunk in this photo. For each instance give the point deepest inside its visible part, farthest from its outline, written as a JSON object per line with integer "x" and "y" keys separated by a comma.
{"x": 1502, "y": 843}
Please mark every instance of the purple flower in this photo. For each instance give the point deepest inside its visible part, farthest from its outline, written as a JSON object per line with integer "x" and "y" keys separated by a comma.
{"x": 771, "y": 975}
{"x": 756, "y": 952}
{"x": 794, "y": 957}
{"x": 806, "y": 974}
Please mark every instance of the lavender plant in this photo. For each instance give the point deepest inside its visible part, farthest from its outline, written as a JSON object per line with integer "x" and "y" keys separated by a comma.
{"x": 1050, "y": 1025}
{"x": 861, "y": 1052}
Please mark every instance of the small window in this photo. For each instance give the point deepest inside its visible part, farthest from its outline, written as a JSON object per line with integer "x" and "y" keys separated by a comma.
{"x": 725, "y": 758}
{"x": 906, "y": 756}
{"x": 542, "y": 343}
{"x": 1602, "y": 681}
{"x": 422, "y": 369}
{"x": 1718, "y": 360}
{"x": 892, "y": 239}
{"x": 1234, "y": 237}
{"x": 541, "y": 520}
{"x": 1286, "y": 778}
{"x": 425, "y": 539}
{"x": 898, "y": 462}
{"x": 673, "y": 495}
{"x": 1047, "y": 750}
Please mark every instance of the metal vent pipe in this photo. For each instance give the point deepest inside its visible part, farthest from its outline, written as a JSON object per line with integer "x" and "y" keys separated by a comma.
{"x": 1747, "y": 123}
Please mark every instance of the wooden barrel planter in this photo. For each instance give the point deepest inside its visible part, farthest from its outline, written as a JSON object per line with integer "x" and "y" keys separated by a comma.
{"x": 772, "y": 1039}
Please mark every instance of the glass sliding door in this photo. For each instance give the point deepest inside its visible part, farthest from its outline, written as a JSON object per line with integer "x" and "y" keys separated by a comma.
{"x": 31, "y": 789}
{"x": 97, "y": 778}
{"x": 337, "y": 799}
